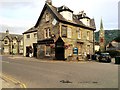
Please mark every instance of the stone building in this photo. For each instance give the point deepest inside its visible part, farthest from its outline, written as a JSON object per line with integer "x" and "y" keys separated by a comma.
{"x": 11, "y": 43}
{"x": 62, "y": 34}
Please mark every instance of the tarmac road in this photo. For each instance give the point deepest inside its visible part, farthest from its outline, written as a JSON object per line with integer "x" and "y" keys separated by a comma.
{"x": 52, "y": 74}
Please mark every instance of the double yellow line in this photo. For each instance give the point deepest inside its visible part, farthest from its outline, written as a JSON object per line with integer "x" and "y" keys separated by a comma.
{"x": 13, "y": 80}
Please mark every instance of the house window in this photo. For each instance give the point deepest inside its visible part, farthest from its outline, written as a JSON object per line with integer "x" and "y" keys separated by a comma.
{"x": 47, "y": 50}
{"x": 88, "y": 49}
{"x": 28, "y": 36}
{"x": 88, "y": 35}
{"x": 6, "y": 42}
{"x": 79, "y": 34}
{"x": 64, "y": 31}
{"x": 47, "y": 17}
{"x": 69, "y": 33}
{"x": 80, "y": 49}
{"x": 47, "y": 33}
{"x": 35, "y": 35}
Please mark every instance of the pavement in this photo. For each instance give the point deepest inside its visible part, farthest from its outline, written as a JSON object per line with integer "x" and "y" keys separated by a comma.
{"x": 8, "y": 82}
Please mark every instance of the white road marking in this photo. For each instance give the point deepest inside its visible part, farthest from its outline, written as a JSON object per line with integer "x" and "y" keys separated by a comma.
{"x": 5, "y": 61}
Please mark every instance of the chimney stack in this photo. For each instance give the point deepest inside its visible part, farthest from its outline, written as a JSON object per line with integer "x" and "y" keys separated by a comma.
{"x": 7, "y": 32}
{"x": 49, "y": 2}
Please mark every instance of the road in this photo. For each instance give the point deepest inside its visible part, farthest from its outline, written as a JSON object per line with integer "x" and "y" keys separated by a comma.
{"x": 52, "y": 74}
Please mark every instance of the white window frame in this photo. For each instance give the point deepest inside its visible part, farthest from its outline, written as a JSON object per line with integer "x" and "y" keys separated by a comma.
{"x": 47, "y": 33}
{"x": 88, "y": 35}
{"x": 64, "y": 31}
{"x": 69, "y": 32}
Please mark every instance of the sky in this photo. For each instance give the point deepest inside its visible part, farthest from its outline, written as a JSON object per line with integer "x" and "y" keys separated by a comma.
{"x": 19, "y": 15}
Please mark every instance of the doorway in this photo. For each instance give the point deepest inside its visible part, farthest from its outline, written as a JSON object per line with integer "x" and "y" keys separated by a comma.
{"x": 27, "y": 51}
{"x": 59, "y": 49}
{"x": 34, "y": 49}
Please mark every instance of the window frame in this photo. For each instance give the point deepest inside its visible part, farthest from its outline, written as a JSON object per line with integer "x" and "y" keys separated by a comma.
{"x": 46, "y": 46}
{"x": 79, "y": 34}
{"x": 64, "y": 31}
{"x": 69, "y": 32}
{"x": 27, "y": 36}
{"x": 47, "y": 33}
{"x": 35, "y": 35}
{"x": 47, "y": 17}
{"x": 5, "y": 42}
{"x": 88, "y": 35}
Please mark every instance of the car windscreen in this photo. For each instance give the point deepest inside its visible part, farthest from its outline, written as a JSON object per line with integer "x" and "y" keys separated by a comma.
{"x": 105, "y": 54}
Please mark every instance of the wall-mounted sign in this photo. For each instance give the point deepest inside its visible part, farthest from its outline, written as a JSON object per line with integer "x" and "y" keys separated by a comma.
{"x": 54, "y": 22}
{"x": 75, "y": 50}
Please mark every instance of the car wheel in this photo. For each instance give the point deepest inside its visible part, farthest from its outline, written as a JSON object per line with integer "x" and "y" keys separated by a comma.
{"x": 108, "y": 61}
{"x": 99, "y": 60}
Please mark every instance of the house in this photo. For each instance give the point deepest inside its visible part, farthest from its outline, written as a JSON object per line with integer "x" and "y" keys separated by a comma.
{"x": 30, "y": 41}
{"x": 97, "y": 46}
{"x": 62, "y": 34}
{"x": 11, "y": 43}
{"x": 114, "y": 44}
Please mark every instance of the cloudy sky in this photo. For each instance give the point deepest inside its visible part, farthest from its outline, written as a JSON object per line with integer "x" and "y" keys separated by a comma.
{"x": 19, "y": 15}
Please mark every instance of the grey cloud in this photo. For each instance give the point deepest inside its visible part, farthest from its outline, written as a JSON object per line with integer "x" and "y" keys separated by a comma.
{"x": 16, "y": 30}
{"x": 11, "y": 5}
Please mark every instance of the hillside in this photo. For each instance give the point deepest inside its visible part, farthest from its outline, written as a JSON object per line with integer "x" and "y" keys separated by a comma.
{"x": 109, "y": 35}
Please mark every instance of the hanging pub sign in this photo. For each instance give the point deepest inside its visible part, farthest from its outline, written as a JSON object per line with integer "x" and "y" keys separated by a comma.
{"x": 75, "y": 50}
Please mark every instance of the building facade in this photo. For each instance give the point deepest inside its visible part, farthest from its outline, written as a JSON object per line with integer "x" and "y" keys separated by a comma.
{"x": 30, "y": 41}
{"x": 62, "y": 34}
{"x": 11, "y": 43}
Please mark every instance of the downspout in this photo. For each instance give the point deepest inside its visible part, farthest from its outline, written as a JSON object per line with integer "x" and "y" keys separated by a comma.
{"x": 93, "y": 42}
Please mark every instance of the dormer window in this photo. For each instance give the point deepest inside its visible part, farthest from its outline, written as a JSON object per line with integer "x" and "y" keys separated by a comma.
{"x": 47, "y": 17}
{"x": 83, "y": 18}
{"x": 66, "y": 12}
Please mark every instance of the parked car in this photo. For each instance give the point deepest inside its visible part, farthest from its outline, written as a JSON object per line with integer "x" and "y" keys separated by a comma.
{"x": 104, "y": 57}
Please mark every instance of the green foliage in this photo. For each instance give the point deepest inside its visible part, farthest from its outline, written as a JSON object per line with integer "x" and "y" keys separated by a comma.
{"x": 109, "y": 35}
{"x": 117, "y": 39}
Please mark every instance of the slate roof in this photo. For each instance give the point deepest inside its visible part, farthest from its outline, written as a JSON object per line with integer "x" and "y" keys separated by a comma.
{"x": 64, "y": 8}
{"x": 33, "y": 29}
{"x": 10, "y": 36}
{"x": 55, "y": 11}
